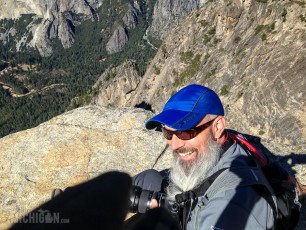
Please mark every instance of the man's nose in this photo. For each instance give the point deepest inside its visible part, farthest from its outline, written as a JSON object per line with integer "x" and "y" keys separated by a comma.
{"x": 176, "y": 142}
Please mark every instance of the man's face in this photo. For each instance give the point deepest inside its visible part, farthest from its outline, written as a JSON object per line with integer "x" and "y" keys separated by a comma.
{"x": 190, "y": 150}
{"x": 193, "y": 161}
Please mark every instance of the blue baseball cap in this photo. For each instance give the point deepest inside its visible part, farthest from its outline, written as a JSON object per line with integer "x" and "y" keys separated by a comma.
{"x": 187, "y": 108}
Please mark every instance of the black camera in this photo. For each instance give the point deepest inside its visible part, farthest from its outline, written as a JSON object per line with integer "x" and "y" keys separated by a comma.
{"x": 140, "y": 200}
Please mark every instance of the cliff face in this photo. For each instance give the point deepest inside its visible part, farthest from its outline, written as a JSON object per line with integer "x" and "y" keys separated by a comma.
{"x": 116, "y": 85}
{"x": 52, "y": 19}
{"x": 120, "y": 36}
{"x": 117, "y": 41}
{"x": 45, "y": 8}
{"x": 252, "y": 54}
{"x": 57, "y": 19}
{"x": 167, "y": 14}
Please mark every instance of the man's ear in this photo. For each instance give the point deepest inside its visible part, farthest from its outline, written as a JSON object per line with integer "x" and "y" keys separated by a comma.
{"x": 219, "y": 127}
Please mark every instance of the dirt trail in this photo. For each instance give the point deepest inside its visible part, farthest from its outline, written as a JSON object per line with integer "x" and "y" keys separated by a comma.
{"x": 9, "y": 88}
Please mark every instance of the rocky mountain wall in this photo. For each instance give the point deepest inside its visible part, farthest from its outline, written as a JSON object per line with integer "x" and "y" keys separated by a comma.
{"x": 167, "y": 14}
{"x": 117, "y": 41}
{"x": 58, "y": 19}
{"x": 52, "y": 19}
{"x": 115, "y": 86}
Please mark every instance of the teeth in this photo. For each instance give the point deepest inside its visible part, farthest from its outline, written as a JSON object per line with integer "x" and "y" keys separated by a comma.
{"x": 185, "y": 154}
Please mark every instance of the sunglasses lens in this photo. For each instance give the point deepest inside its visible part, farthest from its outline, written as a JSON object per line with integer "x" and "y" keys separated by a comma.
{"x": 186, "y": 135}
{"x": 183, "y": 135}
{"x": 167, "y": 134}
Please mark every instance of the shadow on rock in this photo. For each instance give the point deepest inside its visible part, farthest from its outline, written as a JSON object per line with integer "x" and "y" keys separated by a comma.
{"x": 101, "y": 203}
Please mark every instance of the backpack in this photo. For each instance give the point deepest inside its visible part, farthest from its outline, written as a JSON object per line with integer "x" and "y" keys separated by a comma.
{"x": 283, "y": 198}
{"x": 269, "y": 178}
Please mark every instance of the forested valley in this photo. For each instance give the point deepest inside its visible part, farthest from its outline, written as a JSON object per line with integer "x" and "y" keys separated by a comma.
{"x": 34, "y": 89}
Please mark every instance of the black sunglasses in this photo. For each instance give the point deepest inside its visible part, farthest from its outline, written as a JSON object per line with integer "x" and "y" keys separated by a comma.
{"x": 186, "y": 134}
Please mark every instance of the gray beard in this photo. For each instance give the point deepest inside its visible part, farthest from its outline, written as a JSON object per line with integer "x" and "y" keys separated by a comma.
{"x": 185, "y": 176}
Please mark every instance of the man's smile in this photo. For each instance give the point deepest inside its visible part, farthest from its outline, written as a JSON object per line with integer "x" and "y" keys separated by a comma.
{"x": 187, "y": 154}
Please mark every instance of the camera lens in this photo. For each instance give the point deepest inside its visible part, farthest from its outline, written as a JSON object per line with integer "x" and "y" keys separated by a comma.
{"x": 134, "y": 198}
{"x": 140, "y": 200}
{"x": 144, "y": 201}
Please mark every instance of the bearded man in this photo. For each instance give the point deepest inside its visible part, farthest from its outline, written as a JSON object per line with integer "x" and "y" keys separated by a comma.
{"x": 193, "y": 125}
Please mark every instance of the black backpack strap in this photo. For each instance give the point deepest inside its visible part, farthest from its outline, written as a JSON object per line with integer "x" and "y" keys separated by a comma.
{"x": 188, "y": 200}
{"x": 201, "y": 190}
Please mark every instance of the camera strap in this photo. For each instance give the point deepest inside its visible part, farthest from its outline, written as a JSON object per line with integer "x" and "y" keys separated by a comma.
{"x": 185, "y": 200}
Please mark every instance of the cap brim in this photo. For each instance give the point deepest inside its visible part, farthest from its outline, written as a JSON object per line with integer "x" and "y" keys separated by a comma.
{"x": 176, "y": 119}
